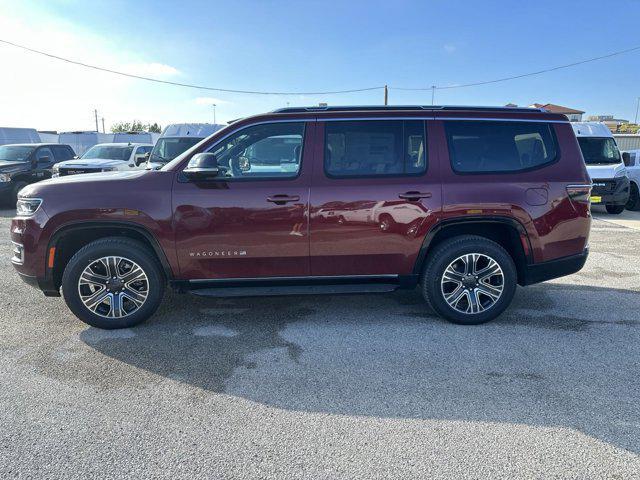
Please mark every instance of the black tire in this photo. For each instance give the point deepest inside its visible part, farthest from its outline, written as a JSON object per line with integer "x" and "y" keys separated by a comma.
{"x": 447, "y": 252}
{"x": 615, "y": 209}
{"x": 19, "y": 185}
{"x": 634, "y": 198}
{"x": 113, "y": 246}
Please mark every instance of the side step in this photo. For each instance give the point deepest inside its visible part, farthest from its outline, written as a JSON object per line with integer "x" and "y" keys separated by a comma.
{"x": 294, "y": 290}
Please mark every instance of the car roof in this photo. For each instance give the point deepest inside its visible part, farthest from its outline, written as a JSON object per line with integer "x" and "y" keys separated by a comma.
{"x": 34, "y": 145}
{"x": 123, "y": 144}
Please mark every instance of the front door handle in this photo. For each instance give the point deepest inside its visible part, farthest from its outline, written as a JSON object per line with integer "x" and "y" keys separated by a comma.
{"x": 282, "y": 199}
{"x": 413, "y": 196}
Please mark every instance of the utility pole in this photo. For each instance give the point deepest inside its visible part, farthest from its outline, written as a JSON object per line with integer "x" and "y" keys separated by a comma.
{"x": 95, "y": 112}
{"x": 386, "y": 95}
{"x": 103, "y": 125}
{"x": 637, "y": 108}
{"x": 214, "y": 113}
{"x": 433, "y": 93}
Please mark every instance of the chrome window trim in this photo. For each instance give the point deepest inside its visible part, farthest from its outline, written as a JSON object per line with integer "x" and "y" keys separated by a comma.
{"x": 480, "y": 119}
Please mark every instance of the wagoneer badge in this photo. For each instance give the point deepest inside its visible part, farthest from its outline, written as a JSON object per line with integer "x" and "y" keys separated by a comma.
{"x": 219, "y": 253}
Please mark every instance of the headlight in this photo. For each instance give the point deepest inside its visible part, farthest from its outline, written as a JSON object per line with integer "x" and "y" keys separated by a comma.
{"x": 621, "y": 173}
{"x": 55, "y": 171}
{"x": 26, "y": 207}
{"x": 5, "y": 177}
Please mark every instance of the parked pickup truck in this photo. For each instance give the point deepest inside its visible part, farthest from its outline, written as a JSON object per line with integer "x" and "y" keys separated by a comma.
{"x": 25, "y": 163}
{"x": 106, "y": 157}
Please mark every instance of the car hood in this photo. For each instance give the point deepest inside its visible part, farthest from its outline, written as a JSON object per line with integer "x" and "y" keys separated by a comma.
{"x": 59, "y": 185}
{"x": 605, "y": 170}
{"x": 7, "y": 166}
{"x": 90, "y": 163}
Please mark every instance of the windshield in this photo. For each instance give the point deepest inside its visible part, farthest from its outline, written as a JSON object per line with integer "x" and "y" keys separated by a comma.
{"x": 15, "y": 153}
{"x": 599, "y": 150}
{"x": 108, "y": 152}
{"x": 168, "y": 148}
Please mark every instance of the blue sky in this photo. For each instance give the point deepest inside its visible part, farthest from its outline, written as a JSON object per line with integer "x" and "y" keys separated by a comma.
{"x": 308, "y": 46}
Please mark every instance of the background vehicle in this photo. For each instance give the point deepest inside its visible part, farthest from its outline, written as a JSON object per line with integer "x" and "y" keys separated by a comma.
{"x": 176, "y": 138}
{"x": 135, "y": 137}
{"x": 28, "y": 163}
{"x": 81, "y": 141}
{"x": 106, "y": 157}
{"x": 10, "y": 136}
{"x": 633, "y": 171}
{"x": 483, "y": 200}
{"x": 604, "y": 164}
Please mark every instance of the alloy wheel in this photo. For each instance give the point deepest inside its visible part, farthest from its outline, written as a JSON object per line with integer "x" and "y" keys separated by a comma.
{"x": 113, "y": 287}
{"x": 472, "y": 283}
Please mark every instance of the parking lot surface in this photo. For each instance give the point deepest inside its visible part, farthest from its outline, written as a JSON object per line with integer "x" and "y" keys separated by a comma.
{"x": 355, "y": 386}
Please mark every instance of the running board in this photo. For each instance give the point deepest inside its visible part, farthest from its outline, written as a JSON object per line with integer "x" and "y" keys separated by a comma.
{"x": 274, "y": 290}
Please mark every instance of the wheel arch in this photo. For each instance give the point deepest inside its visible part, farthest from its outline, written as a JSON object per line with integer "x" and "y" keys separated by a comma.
{"x": 68, "y": 239}
{"x": 507, "y": 232}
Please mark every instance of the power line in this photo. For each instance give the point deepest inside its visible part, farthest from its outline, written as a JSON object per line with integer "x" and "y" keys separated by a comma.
{"x": 514, "y": 77}
{"x": 334, "y": 92}
{"x": 178, "y": 84}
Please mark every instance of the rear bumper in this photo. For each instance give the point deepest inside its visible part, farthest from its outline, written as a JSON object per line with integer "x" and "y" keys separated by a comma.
{"x": 539, "y": 272}
{"x": 615, "y": 192}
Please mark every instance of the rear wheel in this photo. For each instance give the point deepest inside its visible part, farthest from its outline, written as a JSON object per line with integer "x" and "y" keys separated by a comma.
{"x": 386, "y": 223}
{"x": 615, "y": 209}
{"x": 113, "y": 283}
{"x": 634, "y": 198}
{"x": 469, "y": 280}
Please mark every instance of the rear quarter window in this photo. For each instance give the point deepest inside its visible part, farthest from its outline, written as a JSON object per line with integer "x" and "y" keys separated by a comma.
{"x": 499, "y": 146}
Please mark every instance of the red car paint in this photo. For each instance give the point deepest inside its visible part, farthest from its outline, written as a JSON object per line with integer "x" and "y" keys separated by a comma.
{"x": 231, "y": 230}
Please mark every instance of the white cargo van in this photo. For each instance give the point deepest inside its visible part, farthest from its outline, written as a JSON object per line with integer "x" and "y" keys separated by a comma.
{"x": 632, "y": 161}
{"x": 177, "y": 138}
{"x": 9, "y": 135}
{"x": 604, "y": 164}
{"x": 83, "y": 141}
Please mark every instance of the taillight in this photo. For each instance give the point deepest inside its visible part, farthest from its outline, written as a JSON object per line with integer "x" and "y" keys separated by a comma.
{"x": 579, "y": 193}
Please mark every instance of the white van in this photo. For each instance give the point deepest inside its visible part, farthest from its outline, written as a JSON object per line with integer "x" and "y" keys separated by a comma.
{"x": 604, "y": 164}
{"x": 177, "y": 138}
{"x": 10, "y": 135}
{"x": 135, "y": 137}
{"x": 82, "y": 141}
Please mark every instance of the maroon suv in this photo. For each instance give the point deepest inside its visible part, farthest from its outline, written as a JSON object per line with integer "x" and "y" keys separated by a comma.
{"x": 465, "y": 202}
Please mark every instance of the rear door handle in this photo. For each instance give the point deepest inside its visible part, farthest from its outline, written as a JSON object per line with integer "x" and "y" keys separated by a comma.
{"x": 413, "y": 196}
{"x": 282, "y": 199}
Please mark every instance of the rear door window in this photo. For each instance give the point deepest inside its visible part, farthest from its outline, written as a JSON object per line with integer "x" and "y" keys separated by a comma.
{"x": 499, "y": 146}
{"x": 374, "y": 148}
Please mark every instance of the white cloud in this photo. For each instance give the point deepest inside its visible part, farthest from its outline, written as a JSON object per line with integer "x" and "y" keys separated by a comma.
{"x": 151, "y": 70}
{"x": 210, "y": 101}
{"x": 450, "y": 48}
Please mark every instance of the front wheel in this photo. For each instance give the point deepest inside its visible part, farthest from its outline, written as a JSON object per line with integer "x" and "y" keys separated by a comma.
{"x": 634, "y": 198}
{"x": 469, "y": 280}
{"x": 615, "y": 209}
{"x": 113, "y": 283}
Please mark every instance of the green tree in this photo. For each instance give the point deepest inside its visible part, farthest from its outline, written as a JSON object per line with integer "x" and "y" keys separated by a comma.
{"x": 135, "y": 126}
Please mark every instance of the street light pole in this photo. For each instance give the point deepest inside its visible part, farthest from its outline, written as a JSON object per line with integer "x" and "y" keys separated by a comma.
{"x": 433, "y": 93}
{"x": 214, "y": 113}
{"x": 637, "y": 108}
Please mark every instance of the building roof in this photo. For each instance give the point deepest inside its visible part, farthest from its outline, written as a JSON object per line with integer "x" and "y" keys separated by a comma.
{"x": 550, "y": 107}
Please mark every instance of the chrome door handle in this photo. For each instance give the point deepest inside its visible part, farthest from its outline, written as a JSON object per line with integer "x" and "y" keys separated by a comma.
{"x": 282, "y": 199}
{"x": 413, "y": 196}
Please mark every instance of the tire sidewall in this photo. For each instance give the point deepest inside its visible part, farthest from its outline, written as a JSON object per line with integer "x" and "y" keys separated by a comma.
{"x": 89, "y": 254}
{"x": 441, "y": 260}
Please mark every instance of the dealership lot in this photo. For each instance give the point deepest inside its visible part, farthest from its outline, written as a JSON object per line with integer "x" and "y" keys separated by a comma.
{"x": 328, "y": 387}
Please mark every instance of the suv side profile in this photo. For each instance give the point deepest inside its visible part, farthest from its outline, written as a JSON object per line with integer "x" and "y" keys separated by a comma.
{"x": 25, "y": 163}
{"x": 464, "y": 202}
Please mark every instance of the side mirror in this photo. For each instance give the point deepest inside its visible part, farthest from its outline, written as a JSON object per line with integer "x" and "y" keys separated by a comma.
{"x": 140, "y": 159}
{"x": 202, "y": 166}
{"x": 626, "y": 158}
{"x": 45, "y": 159}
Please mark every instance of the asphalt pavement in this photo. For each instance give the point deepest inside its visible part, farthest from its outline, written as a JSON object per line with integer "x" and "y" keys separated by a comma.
{"x": 322, "y": 387}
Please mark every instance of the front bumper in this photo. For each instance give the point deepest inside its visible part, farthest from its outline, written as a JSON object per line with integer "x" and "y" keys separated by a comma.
{"x": 540, "y": 272}
{"x": 612, "y": 191}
